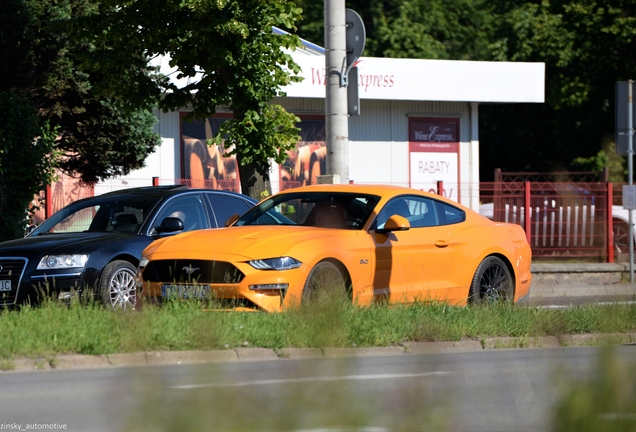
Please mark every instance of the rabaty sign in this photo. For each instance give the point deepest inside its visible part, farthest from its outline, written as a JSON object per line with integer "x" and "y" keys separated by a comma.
{"x": 434, "y": 154}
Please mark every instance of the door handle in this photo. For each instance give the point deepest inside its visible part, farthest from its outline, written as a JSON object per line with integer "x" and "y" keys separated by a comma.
{"x": 441, "y": 243}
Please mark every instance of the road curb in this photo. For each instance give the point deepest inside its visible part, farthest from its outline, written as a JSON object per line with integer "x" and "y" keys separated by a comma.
{"x": 598, "y": 339}
{"x": 521, "y": 342}
{"x": 363, "y": 351}
{"x": 157, "y": 358}
{"x": 442, "y": 346}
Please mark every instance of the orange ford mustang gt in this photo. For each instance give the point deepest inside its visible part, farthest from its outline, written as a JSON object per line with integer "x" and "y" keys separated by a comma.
{"x": 378, "y": 243}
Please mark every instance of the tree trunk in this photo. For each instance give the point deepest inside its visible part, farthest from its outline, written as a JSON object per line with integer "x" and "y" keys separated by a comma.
{"x": 255, "y": 180}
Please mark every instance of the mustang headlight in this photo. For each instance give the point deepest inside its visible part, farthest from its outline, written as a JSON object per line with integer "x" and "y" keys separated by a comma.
{"x": 280, "y": 263}
{"x": 62, "y": 261}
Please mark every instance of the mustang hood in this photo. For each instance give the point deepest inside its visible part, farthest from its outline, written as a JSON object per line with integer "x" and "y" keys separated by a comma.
{"x": 247, "y": 242}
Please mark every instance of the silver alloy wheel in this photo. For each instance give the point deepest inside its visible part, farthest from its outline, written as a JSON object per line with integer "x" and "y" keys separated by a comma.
{"x": 118, "y": 287}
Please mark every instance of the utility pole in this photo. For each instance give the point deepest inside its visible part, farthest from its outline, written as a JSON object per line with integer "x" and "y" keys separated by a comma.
{"x": 336, "y": 109}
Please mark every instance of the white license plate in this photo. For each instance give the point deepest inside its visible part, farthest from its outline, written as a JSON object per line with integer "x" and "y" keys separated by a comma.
{"x": 5, "y": 285}
{"x": 185, "y": 291}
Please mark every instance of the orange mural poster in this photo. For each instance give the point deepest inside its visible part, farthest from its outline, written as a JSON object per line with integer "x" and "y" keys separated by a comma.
{"x": 308, "y": 160}
{"x": 204, "y": 166}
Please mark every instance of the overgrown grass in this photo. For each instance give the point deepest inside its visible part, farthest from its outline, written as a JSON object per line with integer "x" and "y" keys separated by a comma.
{"x": 89, "y": 329}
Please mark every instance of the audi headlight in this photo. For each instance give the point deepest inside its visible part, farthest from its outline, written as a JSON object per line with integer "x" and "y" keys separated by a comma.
{"x": 62, "y": 261}
{"x": 280, "y": 263}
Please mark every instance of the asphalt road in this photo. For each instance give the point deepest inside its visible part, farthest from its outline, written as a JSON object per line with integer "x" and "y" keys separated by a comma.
{"x": 466, "y": 391}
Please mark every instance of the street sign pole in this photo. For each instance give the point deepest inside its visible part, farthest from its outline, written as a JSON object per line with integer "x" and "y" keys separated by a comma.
{"x": 630, "y": 170}
{"x": 624, "y": 139}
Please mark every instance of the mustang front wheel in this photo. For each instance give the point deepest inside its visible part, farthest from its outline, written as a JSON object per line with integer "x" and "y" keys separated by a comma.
{"x": 325, "y": 279}
{"x": 492, "y": 282}
{"x": 117, "y": 285}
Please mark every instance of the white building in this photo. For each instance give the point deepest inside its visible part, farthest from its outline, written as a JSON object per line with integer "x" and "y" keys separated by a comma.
{"x": 418, "y": 123}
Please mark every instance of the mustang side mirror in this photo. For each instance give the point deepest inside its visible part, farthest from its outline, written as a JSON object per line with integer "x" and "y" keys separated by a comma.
{"x": 394, "y": 223}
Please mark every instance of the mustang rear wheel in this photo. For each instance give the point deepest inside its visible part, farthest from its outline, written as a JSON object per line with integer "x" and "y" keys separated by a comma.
{"x": 324, "y": 280}
{"x": 492, "y": 282}
{"x": 117, "y": 285}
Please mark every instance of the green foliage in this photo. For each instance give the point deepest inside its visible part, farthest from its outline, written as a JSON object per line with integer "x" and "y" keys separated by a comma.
{"x": 226, "y": 53}
{"x": 587, "y": 46}
{"x": 27, "y": 161}
{"x": 100, "y": 135}
{"x": 272, "y": 126}
{"x": 438, "y": 29}
{"x": 606, "y": 157}
{"x": 107, "y": 140}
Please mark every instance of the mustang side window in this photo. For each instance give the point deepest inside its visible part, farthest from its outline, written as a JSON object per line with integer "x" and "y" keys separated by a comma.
{"x": 423, "y": 212}
{"x": 449, "y": 214}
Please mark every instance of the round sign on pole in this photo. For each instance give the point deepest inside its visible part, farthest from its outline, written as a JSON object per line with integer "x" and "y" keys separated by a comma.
{"x": 356, "y": 37}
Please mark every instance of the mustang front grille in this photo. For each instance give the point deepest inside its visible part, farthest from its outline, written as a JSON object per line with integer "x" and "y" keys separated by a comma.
{"x": 191, "y": 271}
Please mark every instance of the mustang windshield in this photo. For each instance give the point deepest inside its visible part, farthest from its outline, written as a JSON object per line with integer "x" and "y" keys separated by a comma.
{"x": 320, "y": 209}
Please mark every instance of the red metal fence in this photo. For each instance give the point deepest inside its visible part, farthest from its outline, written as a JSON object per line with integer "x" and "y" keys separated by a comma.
{"x": 563, "y": 220}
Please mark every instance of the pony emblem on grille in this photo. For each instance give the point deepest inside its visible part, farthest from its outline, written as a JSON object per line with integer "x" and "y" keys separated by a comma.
{"x": 189, "y": 269}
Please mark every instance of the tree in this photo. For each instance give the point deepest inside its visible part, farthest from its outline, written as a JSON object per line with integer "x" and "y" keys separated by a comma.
{"x": 605, "y": 158}
{"x": 100, "y": 135}
{"x": 587, "y": 47}
{"x": 27, "y": 161}
{"x": 433, "y": 29}
{"x": 230, "y": 56}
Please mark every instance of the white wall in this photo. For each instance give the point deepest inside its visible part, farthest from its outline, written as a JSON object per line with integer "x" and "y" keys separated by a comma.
{"x": 390, "y": 90}
{"x": 378, "y": 138}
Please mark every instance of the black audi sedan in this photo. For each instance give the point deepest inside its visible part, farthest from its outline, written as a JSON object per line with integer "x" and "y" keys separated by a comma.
{"x": 93, "y": 245}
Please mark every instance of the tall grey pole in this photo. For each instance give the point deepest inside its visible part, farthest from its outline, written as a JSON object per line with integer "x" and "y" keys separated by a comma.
{"x": 336, "y": 110}
{"x": 630, "y": 170}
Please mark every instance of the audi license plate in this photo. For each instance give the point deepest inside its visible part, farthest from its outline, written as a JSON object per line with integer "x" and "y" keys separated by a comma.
{"x": 5, "y": 285}
{"x": 185, "y": 291}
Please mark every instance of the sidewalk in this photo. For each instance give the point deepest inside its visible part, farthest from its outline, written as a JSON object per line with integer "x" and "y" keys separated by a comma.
{"x": 581, "y": 280}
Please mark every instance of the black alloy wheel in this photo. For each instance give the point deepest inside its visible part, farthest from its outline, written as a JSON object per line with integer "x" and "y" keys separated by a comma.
{"x": 492, "y": 282}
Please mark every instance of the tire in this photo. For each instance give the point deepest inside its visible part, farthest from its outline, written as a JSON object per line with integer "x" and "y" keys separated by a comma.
{"x": 492, "y": 282}
{"x": 325, "y": 280}
{"x": 621, "y": 238}
{"x": 117, "y": 286}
